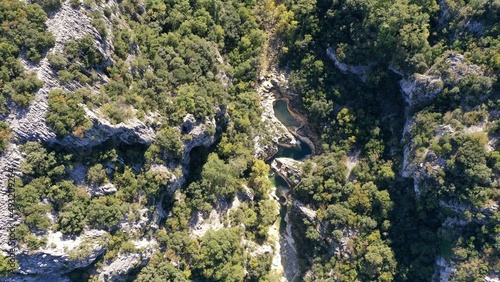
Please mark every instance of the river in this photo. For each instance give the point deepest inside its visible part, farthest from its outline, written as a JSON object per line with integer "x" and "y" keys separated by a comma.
{"x": 289, "y": 256}
{"x": 300, "y": 153}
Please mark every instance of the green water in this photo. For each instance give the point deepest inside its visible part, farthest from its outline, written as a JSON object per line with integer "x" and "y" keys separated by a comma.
{"x": 297, "y": 153}
{"x": 280, "y": 185}
{"x": 281, "y": 112}
{"x": 278, "y": 182}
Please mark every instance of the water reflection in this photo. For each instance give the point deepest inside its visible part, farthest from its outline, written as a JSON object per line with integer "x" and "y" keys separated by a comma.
{"x": 282, "y": 114}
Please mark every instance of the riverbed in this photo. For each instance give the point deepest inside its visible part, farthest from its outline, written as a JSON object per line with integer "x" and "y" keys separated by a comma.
{"x": 289, "y": 256}
{"x": 304, "y": 150}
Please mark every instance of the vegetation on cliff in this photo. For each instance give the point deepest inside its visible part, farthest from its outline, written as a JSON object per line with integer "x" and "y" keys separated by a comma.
{"x": 408, "y": 125}
{"x": 439, "y": 184}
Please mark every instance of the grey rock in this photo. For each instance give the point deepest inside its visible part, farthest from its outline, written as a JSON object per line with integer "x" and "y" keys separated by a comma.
{"x": 288, "y": 169}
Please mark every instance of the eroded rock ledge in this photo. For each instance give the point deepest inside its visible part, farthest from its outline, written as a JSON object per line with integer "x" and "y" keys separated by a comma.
{"x": 278, "y": 134}
{"x": 274, "y": 87}
{"x": 288, "y": 169}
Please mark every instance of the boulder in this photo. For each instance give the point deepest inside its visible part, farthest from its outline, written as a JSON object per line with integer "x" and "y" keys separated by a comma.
{"x": 288, "y": 169}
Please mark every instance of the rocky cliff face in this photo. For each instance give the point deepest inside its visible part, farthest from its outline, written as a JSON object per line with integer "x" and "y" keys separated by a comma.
{"x": 132, "y": 131}
{"x": 423, "y": 163}
{"x": 29, "y": 124}
{"x": 270, "y": 89}
{"x": 425, "y": 87}
{"x": 288, "y": 169}
{"x": 63, "y": 254}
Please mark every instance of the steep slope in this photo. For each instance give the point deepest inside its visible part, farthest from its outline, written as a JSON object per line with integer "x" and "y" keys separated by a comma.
{"x": 120, "y": 143}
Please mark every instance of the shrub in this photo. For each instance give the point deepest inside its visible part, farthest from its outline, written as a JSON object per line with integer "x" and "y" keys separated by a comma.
{"x": 21, "y": 90}
{"x": 4, "y": 135}
{"x": 75, "y": 3}
{"x": 49, "y": 5}
{"x": 72, "y": 218}
{"x": 96, "y": 175}
{"x": 5, "y": 266}
{"x": 57, "y": 61}
{"x": 168, "y": 139}
{"x": 99, "y": 25}
{"x": 65, "y": 116}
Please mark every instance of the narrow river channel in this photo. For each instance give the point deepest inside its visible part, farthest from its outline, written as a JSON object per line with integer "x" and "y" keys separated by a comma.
{"x": 289, "y": 256}
{"x": 297, "y": 153}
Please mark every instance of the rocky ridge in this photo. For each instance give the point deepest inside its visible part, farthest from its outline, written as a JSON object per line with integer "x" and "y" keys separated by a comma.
{"x": 418, "y": 90}
{"x": 425, "y": 87}
{"x": 29, "y": 124}
{"x": 63, "y": 253}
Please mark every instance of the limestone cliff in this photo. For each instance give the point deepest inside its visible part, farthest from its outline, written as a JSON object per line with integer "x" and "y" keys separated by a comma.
{"x": 63, "y": 254}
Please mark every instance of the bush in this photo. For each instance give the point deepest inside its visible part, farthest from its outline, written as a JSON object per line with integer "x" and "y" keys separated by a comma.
{"x": 5, "y": 266}
{"x": 38, "y": 161}
{"x": 65, "y": 116}
{"x": 57, "y": 61}
{"x": 4, "y": 135}
{"x": 75, "y": 3}
{"x": 168, "y": 139}
{"x": 105, "y": 212}
{"x": 65, "y": 76}
{"x": 117, "y": 112}
{"x": 96, "y": 175}
{"x": 72, "y": 218}
{"x": 22, "y": 89}
{"x": 99, "y": 25}
{"x": 49, "y": 5}
{"x": 128, "y": 247}
{"x": 84, "y": 50}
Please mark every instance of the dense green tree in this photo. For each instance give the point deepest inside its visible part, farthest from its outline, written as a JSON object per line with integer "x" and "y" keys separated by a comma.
{"x": 21, "y": 89}
{"x": 49, "y": 5}
{"x": 57, "y": 60}
{"x": 126, "y": 184}
{"x": 5, "y": 266}
{"x": 62, "y": 192}
{"x": 38, "y": 161}
{"x": 72, "y": 218}
{"x": 26, "y": 196}
{"x": 220, "y": 257}
{"x": 163, "y": 271}
{"x": 65, "y": 116}
{"x": 218, "y": 178}
{"x": 105, "y": 212}
{"x": 84, "y": 50}
{"x": 259, "y": 179}
{"x": 96, "y": 175}
{"x": 168, "y": 140}
{"x": 25, "y": 27}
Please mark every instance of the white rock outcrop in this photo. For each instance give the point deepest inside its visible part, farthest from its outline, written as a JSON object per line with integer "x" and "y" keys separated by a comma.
{"x": 420, "y": 88}
{"x": 288, "y": 169}
{"x": 62, "y": 254}
{"x": 425, "y": 87}
{"x": 129, "y": 132}
{"x": 269, "y": 89}
{"x": 118, "y": 268}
